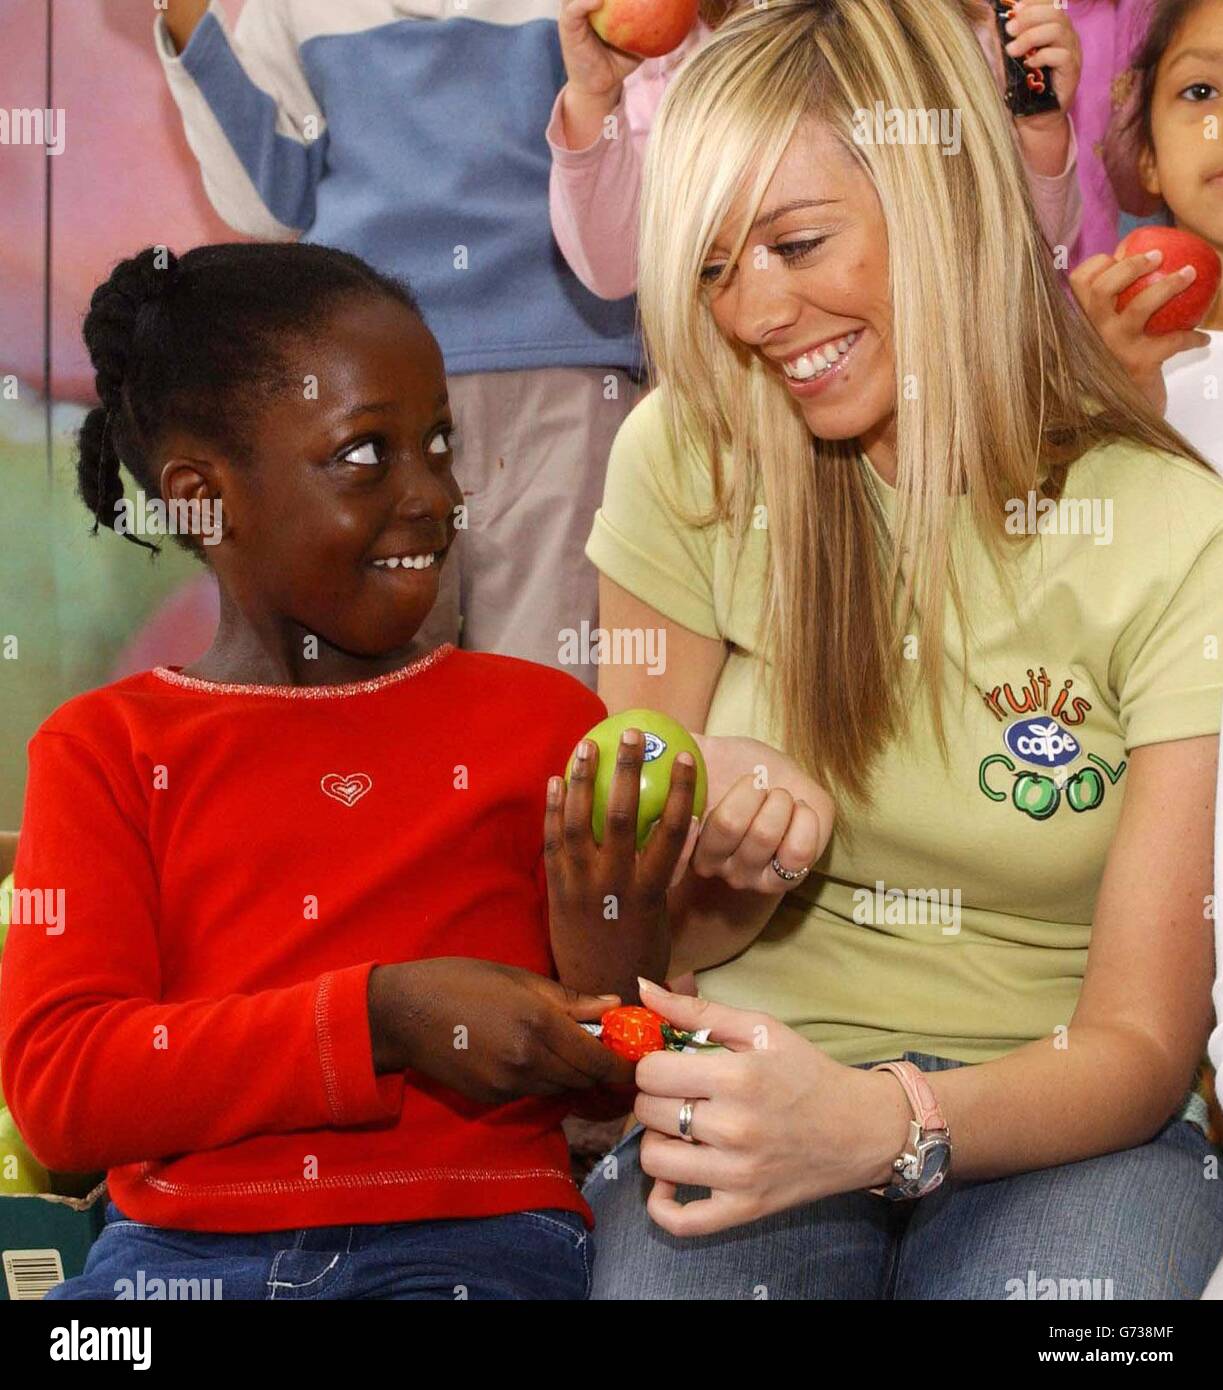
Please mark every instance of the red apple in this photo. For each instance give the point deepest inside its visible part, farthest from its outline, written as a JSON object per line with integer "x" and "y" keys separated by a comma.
{"x": 1189, "y": 307}
{"x": 648, "y": 28}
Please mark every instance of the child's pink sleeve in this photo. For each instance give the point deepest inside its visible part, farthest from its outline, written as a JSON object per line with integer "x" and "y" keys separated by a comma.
{"x": 1057, "y": 197}
{"x": 594, "y": 194}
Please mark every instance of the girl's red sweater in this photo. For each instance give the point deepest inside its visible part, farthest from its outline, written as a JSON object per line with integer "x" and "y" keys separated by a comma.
{"x": 211, "y": 872}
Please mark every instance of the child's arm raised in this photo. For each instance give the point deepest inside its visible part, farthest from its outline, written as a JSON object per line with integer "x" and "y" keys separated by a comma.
{"x": 248, "y": 112}
{"x": 181, "y": 18}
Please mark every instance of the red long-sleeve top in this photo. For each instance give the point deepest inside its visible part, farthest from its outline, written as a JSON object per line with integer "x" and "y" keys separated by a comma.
{"x": 233, "y": 861}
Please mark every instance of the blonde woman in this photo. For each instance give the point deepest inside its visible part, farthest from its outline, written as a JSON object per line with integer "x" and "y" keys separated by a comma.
{"x": 901, "y": 515}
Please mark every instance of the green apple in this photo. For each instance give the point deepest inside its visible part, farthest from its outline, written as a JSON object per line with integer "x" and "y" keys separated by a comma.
{"x": 664, "y": 739}
{"x": 1085, "y": 790}
{"x": 20, "y": 1171}
{"x": 1036, "y": 795}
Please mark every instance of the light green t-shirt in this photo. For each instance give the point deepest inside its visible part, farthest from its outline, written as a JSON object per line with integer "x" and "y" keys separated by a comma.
{"x": 958, "y": 920}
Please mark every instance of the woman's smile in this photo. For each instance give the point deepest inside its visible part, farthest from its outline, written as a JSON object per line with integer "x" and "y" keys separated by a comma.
{"x": 816, "y": 368}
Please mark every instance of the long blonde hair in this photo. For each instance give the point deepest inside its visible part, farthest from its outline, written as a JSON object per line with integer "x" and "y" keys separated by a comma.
{"x": 1012, "y": 383}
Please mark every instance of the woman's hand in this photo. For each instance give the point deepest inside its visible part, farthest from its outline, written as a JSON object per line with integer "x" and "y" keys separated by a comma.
{"x": 605, "y": 902}
{"x": 776, "y": 1121}
{"x": 493, "y": 1032}
{"x": 762, "y": 806}
{"x": 596, "y": 74}
{"x": 1096, "y": 284}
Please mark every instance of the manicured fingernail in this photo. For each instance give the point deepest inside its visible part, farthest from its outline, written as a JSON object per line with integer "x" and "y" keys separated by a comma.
{"x": 607, "y": 996}
{"x": 585, "y": 748}
{"x": 554, "y": 790}
{"x": 643, "y": 984}
{"x": 1188, "y": 272}
{"x": 1155, "y": 257}
{"x": 687, "y": 759}
{"x": 631, "y": 737}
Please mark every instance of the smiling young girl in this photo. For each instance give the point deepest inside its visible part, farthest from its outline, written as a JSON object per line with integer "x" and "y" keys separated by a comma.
{"x": 298, "y": 1002}
{"x": 1168, "y": 137}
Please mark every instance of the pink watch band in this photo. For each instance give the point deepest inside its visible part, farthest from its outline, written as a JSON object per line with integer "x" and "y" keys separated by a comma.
{"x": 926, "y": 1109}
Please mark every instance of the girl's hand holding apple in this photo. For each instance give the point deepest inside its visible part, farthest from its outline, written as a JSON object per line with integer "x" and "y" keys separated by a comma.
{"x": 1099, "y": 285}
{"x": 606, "y": 898}
{"x": 595, "y": 73}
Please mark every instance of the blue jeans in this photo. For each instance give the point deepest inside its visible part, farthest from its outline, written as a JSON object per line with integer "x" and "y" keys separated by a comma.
{"x": 523, "y": 1255}
{"x": 1143, "y": 1223}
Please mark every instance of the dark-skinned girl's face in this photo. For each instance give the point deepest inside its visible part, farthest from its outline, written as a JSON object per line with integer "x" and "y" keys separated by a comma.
{"x": 339, "y": 520}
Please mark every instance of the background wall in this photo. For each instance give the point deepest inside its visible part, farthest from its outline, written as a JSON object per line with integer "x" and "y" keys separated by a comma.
{"x": 125, "y": 180}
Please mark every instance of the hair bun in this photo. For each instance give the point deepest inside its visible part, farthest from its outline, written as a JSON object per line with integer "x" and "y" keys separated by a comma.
{"x": 114, "y": 309}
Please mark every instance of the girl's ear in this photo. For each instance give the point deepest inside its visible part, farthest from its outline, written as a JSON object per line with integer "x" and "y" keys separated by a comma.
{"x": 195, "y": 484}
{"x": 1148, "y": 171}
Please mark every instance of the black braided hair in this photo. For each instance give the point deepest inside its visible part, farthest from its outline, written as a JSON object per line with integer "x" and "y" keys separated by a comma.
{"x": 195, "y": 342}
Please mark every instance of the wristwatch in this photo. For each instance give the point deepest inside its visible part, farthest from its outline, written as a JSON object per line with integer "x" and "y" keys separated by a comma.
{"x": 926, "y": 1159}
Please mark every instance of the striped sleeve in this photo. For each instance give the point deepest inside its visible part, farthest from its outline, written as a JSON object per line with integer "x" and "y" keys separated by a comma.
{"x": 250, "y": 118}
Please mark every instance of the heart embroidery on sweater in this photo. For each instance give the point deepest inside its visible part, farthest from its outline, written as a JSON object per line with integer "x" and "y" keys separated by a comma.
{"x": 348, "y": 790}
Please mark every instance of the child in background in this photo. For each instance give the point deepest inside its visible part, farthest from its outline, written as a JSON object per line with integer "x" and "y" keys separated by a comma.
{"x": 292, "y": 875}
{"x": 1110, "y": 31}
{"x": 1177, "y": 94}
{"x": 409, "y": 134}
{"x": 596, "y": 174}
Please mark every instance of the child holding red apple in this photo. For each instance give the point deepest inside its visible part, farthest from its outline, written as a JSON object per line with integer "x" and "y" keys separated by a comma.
{"x": 301, "y": 1001}
{"x": 596, "y": 174}
{"x": 1155, "y": 302}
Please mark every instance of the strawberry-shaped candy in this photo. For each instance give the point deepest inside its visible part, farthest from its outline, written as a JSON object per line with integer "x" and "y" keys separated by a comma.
{"x": 633, "y": 1032}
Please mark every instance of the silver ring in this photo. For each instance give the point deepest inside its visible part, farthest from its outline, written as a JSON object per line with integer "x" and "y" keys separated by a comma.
{"x": 788, "y": 874}
{"x": 685, "y": 1121}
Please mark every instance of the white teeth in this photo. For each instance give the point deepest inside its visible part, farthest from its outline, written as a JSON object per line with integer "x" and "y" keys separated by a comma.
{"x": 407, "y": 562}
{"x": 816, "y": 362}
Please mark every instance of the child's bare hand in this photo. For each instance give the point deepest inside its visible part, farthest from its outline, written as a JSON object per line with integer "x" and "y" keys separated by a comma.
{"x": 1096, "y": 284}
{"x": 605, "y": 902}
{"x": 1043, "y": 36}
{"x": 592, "y": 67}
{"x": 520, "y": 1033}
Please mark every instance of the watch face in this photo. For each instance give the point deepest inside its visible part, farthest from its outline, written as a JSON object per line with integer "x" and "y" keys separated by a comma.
{"x": 935, "y": 1155}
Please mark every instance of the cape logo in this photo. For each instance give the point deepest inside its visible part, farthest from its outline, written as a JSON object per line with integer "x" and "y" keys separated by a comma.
{"x": 1045, "y": 743}
{"x": 346, "y": 790}
{"x": 1041, "y": 741}
{"x": 655, "y": 747}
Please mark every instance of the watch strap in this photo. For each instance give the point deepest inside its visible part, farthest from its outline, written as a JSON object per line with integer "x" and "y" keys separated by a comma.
{"x": 927, "y": 1117}
{"x": 926, "y": 1109}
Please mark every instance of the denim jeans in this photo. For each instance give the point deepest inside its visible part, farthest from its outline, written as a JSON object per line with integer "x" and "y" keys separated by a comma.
{"x": 523, "y": 1255}
{"x": 1143, "y": 1223}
